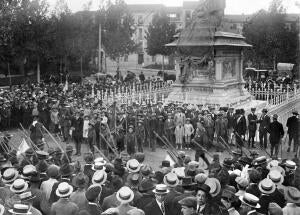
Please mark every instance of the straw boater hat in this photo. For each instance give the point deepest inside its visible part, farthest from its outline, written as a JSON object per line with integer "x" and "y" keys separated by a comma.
{"x": 292, "y": 195}
{"x": 290, "y": 165}
{"x": 266, "y": 186}
{"x": 272, "y": 163}
{"x": 26, "y": 196}
{"x": 171, "y": 180}
{"x": 20, "y": 209}
{"x": 100, "y": 160}
{"x": 215, "y": 186}
{"x": 125, "y": 195}
{"x": 9, "y": 176}
{"x": 161, "y": 189}
{"x": 19, "y": 186}
{"x": 133, "y": 165}
{"x": 99, "y": 177}
{"x": 276, "y": 177}
{"x": 98, "y": 166}
{"x": 250, "y": 200}
{"x": 64, "y": 190}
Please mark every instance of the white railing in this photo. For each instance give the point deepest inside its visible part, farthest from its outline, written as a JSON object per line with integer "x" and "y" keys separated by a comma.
{"x": 274, "y": 95}
{"x": 135, "y": 93}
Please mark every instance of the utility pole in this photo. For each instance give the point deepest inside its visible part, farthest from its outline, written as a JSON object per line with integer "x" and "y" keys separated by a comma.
{"x": 100, "y": 48}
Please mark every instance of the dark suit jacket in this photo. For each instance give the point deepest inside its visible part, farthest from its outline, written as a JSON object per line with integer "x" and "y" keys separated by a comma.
{"x": 241, "y": 126}
{"x": 278, "y": 198}
{"x": 264, "y": 202}
{"x": 230, "y": 118}
{"x": 144, "y": 200}
{"x": 252, "y": 123}
{"x": 292, "y": 124}
{"x": 264, "y": 123}
{"x": 153, "y": 209}
{"x": 169, "y": 200}
{"x": 276, "y": 132}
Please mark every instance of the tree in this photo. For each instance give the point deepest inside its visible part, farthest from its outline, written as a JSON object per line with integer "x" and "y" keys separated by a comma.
{"x": 160, "y": 33}
{"x": 273, "y": 41}
{"x": 117, "y": 30}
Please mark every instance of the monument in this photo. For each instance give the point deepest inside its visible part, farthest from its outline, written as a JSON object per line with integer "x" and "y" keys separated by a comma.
{"x": 209, "y": 60}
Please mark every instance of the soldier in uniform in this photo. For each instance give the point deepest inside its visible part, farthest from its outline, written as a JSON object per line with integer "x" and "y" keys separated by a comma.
{"x": 130, "y": 141}
{"x": 252, "y": 120}
{"x": 140, "y": 135}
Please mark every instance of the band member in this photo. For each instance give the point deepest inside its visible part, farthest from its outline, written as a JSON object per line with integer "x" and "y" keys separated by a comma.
{"x": 252, "y": 120}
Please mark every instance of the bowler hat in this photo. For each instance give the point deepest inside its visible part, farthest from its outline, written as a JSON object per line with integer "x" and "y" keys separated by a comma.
{"x": 204, "y": 187}
{"x": 187, "y": 182}
{"x": 53, "y": 171}
{"x": 146, "y": 185}
{"x": 295, "y": 113}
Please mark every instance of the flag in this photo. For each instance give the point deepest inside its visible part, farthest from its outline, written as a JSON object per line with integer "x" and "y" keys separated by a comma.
{"x": 65, "y": 89}
{"x": 22, "y": 147}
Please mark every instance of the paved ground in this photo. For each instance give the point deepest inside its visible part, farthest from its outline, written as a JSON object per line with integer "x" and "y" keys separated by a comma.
{"x": 153, "y": 158}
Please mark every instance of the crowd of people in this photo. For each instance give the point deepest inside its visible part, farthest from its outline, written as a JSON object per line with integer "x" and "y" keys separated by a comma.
{"x": 115, "y": 179}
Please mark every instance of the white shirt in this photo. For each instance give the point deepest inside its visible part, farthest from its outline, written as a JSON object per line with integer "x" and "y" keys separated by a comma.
{"x": 46, "y": 187}
{"x": 159, "y": 205}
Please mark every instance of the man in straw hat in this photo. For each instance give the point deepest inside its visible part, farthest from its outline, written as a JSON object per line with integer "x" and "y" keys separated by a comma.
{"x": 157, "y": 206}
{"x": 20, "y": 209}
{"x": 64, "y": 206}
{"x": 292, "y": 196}
{"x": 125, "y": 196}
{"x": 249, "y": 204}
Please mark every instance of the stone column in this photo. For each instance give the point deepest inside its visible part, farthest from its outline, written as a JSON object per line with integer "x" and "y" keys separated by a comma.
{"x": 218, "y": 68}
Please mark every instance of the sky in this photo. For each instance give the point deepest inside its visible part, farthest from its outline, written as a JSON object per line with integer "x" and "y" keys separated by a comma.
{"x": 232, "y": 6}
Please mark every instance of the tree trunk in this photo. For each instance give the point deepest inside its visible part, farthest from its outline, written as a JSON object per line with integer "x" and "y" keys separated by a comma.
{"x": 38, "y": 72}
{"x": 65, "y": 68}
{"x": 8, "y": 72}
{"x": 163, "y": 66}
{"x": 81, "y": 71}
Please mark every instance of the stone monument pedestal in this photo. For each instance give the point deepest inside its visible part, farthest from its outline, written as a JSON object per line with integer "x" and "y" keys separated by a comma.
{"x": 218, "y": 82}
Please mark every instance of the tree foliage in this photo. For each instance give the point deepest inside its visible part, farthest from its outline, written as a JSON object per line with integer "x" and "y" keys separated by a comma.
{"x": 160, "y": 32}
{"x": 272, "y": 39}
{"x": 31, "y": 34}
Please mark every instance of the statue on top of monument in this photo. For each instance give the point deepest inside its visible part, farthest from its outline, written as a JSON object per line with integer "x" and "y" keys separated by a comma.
{"x": 211, "y": 11}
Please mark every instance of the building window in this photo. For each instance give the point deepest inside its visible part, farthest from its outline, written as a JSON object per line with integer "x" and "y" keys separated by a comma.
{"x": 140, "y": 58}
{"x": 140, "y": 34}
{"x": 126, "y": 58}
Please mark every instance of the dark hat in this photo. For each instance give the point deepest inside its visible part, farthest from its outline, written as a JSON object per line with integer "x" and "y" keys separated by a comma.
{"x": 53, "y": 171}
{"x": 93, "y": 192}
{"x": 42, "y": 166}
{"x": 2, "y": 158}
{"x": 253, "y": 109}
{"x": 295, "y": 113}
{"x": 89, "y": 158}
{"x": 204, "y": 187}
{"x": 245, "y": 160}
{"x": 66, "y": 170}
{"x": 80, "y": 180}
{"x": 158, "y": 176}
{"x": 190, "y": 202}
{"x": 227, "y": 163}
{"x": 146, "y": 185}
{"x": 275, "y": 116}
{"x": 264, "y": 110}
{"x": 254, "y": 176}
{"x": 165, "y": 163}
{"x": 35, "y": 177}
{"x": 146, "y": 170}
{"x": 187, "y": 182}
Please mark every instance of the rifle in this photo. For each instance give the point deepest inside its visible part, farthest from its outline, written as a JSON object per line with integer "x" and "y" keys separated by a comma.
{"x": 201, "y": 147}
{"x": 174, "y": 153}
{"x": 108, "y": 144}
{"x": 170, "y": 144}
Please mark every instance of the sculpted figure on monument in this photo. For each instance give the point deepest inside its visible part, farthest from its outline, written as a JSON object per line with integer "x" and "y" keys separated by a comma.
{"x": 211, "y": 11}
